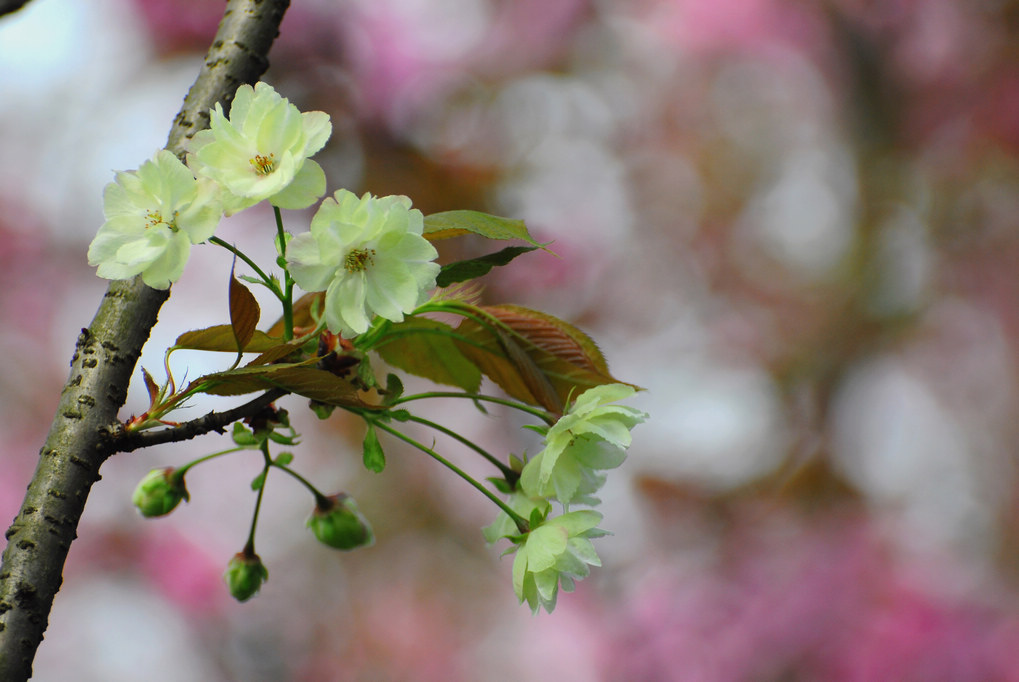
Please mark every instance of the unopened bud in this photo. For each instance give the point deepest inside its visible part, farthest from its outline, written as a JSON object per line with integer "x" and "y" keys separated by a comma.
{"x": 159, "y": 492}
{"x": 341, "y": 524}
{"x": 244, "y": 575}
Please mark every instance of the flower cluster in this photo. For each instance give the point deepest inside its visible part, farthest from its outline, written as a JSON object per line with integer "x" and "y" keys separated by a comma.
{"x": 591, "y": 436}
{"x": 369, "y": 260}
{"x": 367, "y": 254}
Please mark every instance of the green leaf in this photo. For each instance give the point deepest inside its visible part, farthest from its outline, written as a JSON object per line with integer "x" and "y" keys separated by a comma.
{"x": 244, "y": 312}
{"x": 463, "y": 270}
{"x": 365, "y": 374}
{"x": 533, "y": 356}
{"x": 242, "y": 436}
{"x": 394, "y": 388}
{"x": 284, "y": 458}
{"x": 221, "y": 338}
{"x": 500, "y": 484}
{"x": 259, "y": 481}
{"x": 425, "y": 348}
{"x": 455, "y": 223}
{"x": 277, "y": 437}
{"x": 321, "y": 410}
{"x": 374, "y": 458}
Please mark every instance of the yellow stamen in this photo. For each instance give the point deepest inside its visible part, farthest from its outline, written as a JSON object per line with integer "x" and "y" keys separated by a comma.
{"x": 359, "y": 260}
{"x": 264, "y": 165}
{"x": 155, "y": 219}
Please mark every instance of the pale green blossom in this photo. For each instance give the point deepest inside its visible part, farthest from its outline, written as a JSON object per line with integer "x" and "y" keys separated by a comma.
{"x": 261, "y": 151}
{"x": 369, "y": 257}
{"x": 555, "y": 554}
{"x": 504, "y": 526}
{"x": 591, "y": 436}
{"x": 153, "y": 216}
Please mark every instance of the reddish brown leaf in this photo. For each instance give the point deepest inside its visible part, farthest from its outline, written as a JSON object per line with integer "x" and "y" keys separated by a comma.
{"x": 534, "y": 357}
{"x": 221, "y": 338}
{"x": 273, "y": 354}
{"x": 300, "y": 378}
{"x": 150, "y": 386}
{"x": 244, "y": 312}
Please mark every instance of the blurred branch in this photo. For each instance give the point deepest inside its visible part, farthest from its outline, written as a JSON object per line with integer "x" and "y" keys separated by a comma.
{"x": 213, "y": 421}
{"x": 9, "y": 6}
{"x": 103, "y": 361}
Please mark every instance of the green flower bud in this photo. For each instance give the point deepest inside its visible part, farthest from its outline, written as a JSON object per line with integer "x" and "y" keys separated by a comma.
{"x": 340, "y": 524}
{"x": 244, "y": 575}
{"x": 159, "y": 492}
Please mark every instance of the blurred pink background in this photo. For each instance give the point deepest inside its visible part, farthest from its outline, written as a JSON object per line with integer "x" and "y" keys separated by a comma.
{"x": 796, "y": 223}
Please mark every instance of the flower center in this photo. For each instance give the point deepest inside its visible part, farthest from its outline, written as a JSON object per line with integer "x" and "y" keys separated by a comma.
{"x": 263, "y": 165}
{"x": 358, "y": 260}
{"x": 154, "y": 218}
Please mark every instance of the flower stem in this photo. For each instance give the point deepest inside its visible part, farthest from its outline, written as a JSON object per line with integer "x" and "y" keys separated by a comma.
{"x": 510, "y": 475}
{"x": 249, "y": 546}
{"x": 240, "y": 254}
{"x": 182, "y": 470}
{"x": 320, "y": 500}
{"x": 288, "y": 281}
{"x": 522, "y": 524}
{"x": 537, "y": 412}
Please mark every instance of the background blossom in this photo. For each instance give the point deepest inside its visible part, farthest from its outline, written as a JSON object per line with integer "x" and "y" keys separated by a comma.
{"x": 794, "y": 223}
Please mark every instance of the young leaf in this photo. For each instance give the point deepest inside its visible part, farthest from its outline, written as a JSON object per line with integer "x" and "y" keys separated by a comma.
{"x": 394, "y": 388}
{"x": 259, "y": 481}
{"x": 244, "y": 312}
{"x": 527, "y": 353}
{"x": 243, "y": 436}
{"x": 284, "y": 458}
{"x": 321, "y": 410}
{"x": 300, "y": 378}
{"x": 455, "y": 223}
{"x": 365, "y": 374}
{"x": 273, "y": 354}
{"x": 374, "y": 458}
{"x": 151, "y": 387}
{"x": 528, "y": 371}
{"x": 425, "y": 348}
{"x": 464, "y": 270}
{"x": 221, "y": 338}
{"x": 277, "y": 437}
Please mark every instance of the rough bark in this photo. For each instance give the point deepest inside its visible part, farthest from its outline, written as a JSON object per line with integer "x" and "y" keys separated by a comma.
{"x": 103, "y": 361}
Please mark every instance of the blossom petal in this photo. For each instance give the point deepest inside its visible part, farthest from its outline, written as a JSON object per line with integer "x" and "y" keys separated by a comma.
{"x": 308, "y": 184}
{"x": 169, "y": 266}
{"x": 305, "y": 265}
{"x": 317, "y": 129}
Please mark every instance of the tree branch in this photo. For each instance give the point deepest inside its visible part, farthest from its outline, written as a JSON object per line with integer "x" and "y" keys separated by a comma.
{"x": 213, "y": 421}
{"x": 104, "y": 359}
{"x": 8, "y": 6}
